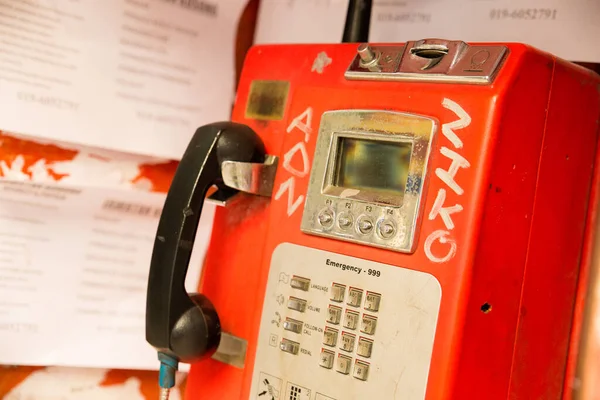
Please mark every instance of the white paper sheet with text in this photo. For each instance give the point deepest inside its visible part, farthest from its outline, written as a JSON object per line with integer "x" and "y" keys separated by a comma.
{"x": 130, "y": 75}
{"x": 566, "y": 28}
{"x": 74, "y": 264}
{"x": 301, "y": 21}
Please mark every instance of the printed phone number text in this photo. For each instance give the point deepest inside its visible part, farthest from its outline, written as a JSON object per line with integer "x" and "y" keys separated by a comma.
{"x": 405, "y": 17}
{"x": 523, "y": 13}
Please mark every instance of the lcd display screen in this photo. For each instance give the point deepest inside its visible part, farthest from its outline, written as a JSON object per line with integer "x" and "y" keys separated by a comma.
{"x": 372, "y": 165}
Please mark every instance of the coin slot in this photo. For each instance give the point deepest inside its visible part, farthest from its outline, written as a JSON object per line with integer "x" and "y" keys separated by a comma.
{"x": 430, "y": 51}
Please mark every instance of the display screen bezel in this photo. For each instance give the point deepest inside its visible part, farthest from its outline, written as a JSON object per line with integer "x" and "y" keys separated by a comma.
{"x": 379, "y": 197}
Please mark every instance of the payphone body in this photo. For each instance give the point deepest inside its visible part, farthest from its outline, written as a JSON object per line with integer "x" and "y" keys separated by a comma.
{"x": 460, "y": 281}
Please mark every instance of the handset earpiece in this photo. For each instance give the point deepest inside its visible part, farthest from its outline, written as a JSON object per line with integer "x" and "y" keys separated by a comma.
{"x": 180, "y": 326}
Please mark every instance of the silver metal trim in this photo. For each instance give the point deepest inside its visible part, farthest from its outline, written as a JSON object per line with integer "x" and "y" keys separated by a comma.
{"x": 430, "y": 60}
{"x": 405, "y": 214}
{"x": 253, "y": 178}
{"x": 231, "y": 350}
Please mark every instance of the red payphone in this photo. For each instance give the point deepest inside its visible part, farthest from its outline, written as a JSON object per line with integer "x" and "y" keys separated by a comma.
{"x": 401, "y": 221}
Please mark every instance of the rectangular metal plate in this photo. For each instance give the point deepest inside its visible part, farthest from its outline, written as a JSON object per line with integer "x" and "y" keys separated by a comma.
{"x": 462, "y": 63}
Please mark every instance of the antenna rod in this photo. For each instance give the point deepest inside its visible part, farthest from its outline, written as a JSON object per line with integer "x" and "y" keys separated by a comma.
{"x": 358, "y": 20}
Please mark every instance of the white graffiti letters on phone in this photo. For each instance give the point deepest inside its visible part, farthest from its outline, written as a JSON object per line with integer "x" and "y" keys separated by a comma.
{"x": 441, "y": 236}
{"x": 302, "y": 123}
{"x": 304, "y": 126}
{"x": 448, "y": 177}
{"x": 463, "y": 121}
{"x": 287, "y": 160}
{"x": 289, "y": 186}
{"x": 444, "y": 212}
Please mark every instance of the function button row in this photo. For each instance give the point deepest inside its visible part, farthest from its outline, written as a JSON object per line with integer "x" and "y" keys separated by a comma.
{"x": 289, "y": 346}
{"x": 386, "y": 228}
{"x": 296, "y": 304}
{"x": 293, "y": 325}
{"x": 301, "y": 283}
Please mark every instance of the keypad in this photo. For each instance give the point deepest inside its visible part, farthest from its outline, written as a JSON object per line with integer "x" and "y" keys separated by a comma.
{"x": 354, "y": 334}
{"x": 348, "y": 336}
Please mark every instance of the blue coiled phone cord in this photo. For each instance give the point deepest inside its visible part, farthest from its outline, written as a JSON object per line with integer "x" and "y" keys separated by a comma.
{"x": 166, "y": 375}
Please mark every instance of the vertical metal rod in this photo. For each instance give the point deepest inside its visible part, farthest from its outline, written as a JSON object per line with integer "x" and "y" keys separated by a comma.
{"x": 358, "y": 20}
{"x": 586, "y": 385}
{"x": 582, "y": 378}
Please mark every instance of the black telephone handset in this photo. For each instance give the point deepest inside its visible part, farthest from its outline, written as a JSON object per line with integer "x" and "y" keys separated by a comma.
{"x": 185, "y": 327}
